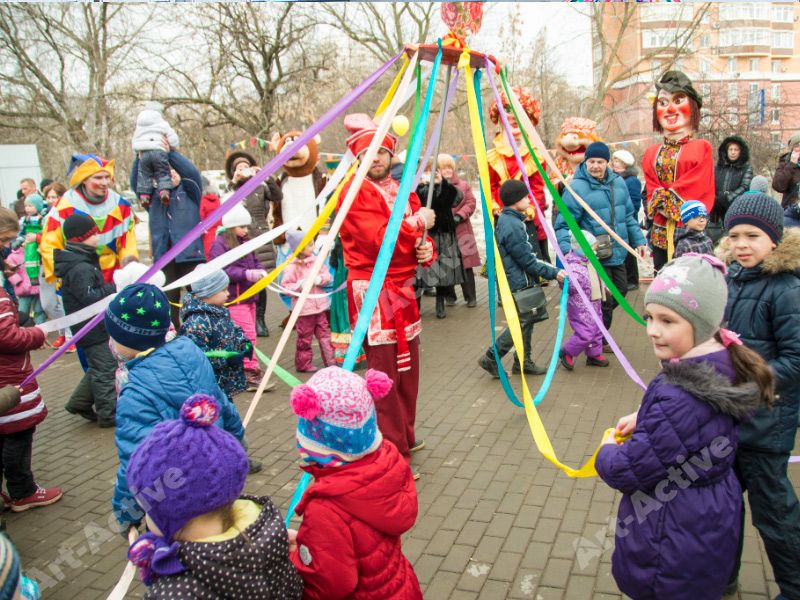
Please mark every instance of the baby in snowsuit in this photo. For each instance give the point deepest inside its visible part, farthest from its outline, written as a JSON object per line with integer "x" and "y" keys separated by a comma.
{"x": 151, "y": 128}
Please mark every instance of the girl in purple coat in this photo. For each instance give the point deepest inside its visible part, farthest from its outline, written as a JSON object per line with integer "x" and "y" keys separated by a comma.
{"x": 679, "y": 520}
{"x": 586, "y": 335}
{"x": 243, "y": 273}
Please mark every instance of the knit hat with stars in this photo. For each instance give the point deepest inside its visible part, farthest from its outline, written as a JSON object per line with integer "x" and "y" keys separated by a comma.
{"x": 138, "y": 317}
{"x": 336, "y": 410}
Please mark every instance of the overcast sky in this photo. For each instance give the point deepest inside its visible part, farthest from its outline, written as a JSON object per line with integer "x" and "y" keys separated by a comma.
{"x": 567, "y": 31}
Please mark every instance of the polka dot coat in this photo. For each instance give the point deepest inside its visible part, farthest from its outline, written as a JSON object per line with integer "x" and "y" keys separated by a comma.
{"x": 254, "y": 565}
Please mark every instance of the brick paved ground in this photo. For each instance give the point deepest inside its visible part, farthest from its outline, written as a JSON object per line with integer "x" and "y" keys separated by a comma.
{"x": 496, "y": 520}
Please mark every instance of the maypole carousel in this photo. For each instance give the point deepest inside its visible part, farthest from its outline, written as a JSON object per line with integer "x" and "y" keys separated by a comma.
{"x": 450, "y": 61}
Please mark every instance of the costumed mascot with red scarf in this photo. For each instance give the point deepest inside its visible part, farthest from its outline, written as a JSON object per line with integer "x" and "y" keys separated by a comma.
{"x": 681, "y": 168}
{"x": 392, "y": 341}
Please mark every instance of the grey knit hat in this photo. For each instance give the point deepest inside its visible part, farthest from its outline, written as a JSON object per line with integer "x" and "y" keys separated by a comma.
{"x": 694, "y": 287}
{"x": 211, "y": 284}
{"x": 758, "y": 210}
{"x": 759, "y": 183}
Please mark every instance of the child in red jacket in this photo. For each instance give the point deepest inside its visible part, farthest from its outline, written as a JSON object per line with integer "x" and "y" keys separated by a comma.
{"x": 363, "y": 496}
{"x": 18, "y": 424}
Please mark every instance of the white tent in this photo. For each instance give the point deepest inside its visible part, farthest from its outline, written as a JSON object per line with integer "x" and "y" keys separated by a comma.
{"x": 17, "y": 162}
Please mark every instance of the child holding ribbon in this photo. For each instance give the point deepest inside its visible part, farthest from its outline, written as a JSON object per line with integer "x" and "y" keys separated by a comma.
{"x": 313, "y": 320}
{"x": 586, "y": 335}
{"x": 679, "y": 520}
{"x": 363, "y": 496}
{"x": 242, "y": 274}
{"x": 205, "y": 538}
{"x": 763, "y": 301}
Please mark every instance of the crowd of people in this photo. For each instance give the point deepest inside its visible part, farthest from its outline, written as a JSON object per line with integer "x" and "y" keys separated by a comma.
{"x": 725, "y": 328}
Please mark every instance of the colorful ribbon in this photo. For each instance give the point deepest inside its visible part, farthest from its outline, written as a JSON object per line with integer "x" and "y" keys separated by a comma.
{"x": 393, "y": 227}
{"x": 540, "y": 437}
{"x": 527, "y": 127}
{"x": 361, "y": 172}
{"x": 244, "y": 191}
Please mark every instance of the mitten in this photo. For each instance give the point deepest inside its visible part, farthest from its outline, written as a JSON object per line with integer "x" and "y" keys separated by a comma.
{"x": 253, "y": 275}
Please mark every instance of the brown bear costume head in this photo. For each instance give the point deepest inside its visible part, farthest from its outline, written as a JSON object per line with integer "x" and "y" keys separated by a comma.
{"x": 304, "y": 160}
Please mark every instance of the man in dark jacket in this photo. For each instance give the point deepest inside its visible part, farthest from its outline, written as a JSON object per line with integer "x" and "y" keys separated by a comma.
{"x": 170, "y": 222}
{"x": 787, "y": 181}
{"x": 732, "y": 176}
{"x": 607, "y": 195}
{"x": 82, "y": 284}
{"x": 522, "y": 269}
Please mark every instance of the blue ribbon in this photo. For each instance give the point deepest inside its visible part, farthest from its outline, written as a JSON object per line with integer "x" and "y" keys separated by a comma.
{"x": 488, "y": 233}
{"x": 393, "y": 227}
{"x": 551, "y": 368}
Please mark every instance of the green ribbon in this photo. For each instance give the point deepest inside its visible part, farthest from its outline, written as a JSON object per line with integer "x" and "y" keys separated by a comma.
{"x": 572, "y": 224}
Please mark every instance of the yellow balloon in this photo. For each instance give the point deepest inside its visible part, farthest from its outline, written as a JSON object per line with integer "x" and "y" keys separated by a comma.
{"x": 400, "y": 125}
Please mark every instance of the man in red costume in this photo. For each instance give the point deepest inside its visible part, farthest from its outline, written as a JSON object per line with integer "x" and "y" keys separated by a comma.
{"x": 392, "y": 343}
{"x": 680, "y": 168}
{"x": 503, "y": 164}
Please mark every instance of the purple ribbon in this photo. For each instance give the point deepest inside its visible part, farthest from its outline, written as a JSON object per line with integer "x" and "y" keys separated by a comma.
{"x": 244, "y": 191}
{"x": 551, "y": 236}
{"x": 451, "y": 92}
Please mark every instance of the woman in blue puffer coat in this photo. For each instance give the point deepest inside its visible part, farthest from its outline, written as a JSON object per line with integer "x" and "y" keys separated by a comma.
{"x": 600, "y": 187}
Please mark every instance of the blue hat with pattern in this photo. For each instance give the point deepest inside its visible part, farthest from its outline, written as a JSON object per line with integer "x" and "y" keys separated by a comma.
{"x": 691, "y": 209}
{"x": 138, "y": 317}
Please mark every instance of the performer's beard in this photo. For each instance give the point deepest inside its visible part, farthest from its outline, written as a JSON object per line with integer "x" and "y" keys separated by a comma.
{"x": 378, "y": 172}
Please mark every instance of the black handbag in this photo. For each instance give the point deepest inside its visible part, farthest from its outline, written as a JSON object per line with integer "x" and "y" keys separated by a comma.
{"x": 531, "y": 300}
{"x": 605, "y": 248}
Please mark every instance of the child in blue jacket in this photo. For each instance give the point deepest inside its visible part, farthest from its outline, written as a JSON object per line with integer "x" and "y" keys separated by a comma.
{"x": 161, "y": 376}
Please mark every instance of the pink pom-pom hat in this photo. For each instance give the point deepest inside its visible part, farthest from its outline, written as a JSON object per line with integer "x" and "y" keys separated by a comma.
{"x": 336, "y": 413}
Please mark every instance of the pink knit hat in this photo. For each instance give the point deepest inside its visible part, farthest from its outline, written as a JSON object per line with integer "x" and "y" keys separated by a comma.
{"x": 336, "y": 411}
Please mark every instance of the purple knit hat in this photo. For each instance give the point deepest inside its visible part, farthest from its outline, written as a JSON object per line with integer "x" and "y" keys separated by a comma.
{"x": 336, "y": 410}
{"x": 182, "y": 469}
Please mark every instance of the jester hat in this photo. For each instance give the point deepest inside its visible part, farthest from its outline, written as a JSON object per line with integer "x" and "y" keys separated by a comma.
{"x": 83, "y": 166}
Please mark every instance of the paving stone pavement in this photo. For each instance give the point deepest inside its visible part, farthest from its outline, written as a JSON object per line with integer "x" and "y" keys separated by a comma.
{"x": 496, "y": 520}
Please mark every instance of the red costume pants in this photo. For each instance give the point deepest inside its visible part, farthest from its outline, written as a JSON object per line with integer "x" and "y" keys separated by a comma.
{"x": 397, "y": 411}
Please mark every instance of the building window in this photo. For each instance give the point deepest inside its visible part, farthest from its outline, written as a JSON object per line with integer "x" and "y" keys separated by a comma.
{"x": 753, "y": 64}
{"x": 733, "y": 92}
{"x": 744, "y": 11}
{"x": 705, "y": 89}
{"x": 705, "y": 40}
{"x": 731, "y": 65}
{"x": 665, "y": 12}
{"x": 665, "y": 38}
{"x": 776, "y": 66}
{"x": 732, "y": 115}
{"x": 704, "y": 65}
{"x": 776, "y": 116}
{"x": 775, "y": 136}
{"x": 783, "y": 39}
{"x": 745, "y": 36}
{"x": 776, "y": 91}
{"x": 783, "y": 14}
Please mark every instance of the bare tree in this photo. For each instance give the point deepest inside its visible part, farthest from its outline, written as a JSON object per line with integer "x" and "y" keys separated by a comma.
{"x": 613, "y": 27}
{"x": 60, "y": 61}
{"x": 382, "y": 28}
{"x": 247, "y": 56}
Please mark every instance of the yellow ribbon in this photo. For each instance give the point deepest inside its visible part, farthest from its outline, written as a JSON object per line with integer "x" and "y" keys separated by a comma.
{"x": 323, "y": 217}
{"x": 327, "y": 211}
{"x": 670, "y": 239}
{"x": 538, "y": 431}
